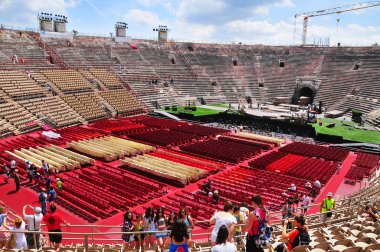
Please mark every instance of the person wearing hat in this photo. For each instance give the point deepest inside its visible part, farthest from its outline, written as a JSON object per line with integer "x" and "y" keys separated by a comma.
{"x": 34, "y": 224}
{"x": 59, "y": 184}
{"x": 328, "y": 204}
{"x": 215, "y": 197}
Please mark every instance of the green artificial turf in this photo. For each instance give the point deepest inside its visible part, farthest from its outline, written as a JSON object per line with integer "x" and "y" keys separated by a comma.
{"x": 347, "y": 132}
{"x": 219, "y": 105}
{"x": 198, "y": 112}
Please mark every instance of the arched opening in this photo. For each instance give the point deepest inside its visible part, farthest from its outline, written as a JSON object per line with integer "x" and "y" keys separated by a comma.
{"x": 190, "y": 48}
{"x": 235, "y": 62}
{"x": 172, "y": 60}
{"x": 305, "y": 94}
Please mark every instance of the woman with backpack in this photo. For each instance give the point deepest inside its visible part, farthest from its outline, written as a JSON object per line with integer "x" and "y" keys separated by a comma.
{"x": 127, "y": 227}
{"x": 257, "y": 226}
{"x": 297, "y": 237}
{"x": 179, "y": 240}
{"x": 186, "y": 218}
{"x": 149, "y": 226}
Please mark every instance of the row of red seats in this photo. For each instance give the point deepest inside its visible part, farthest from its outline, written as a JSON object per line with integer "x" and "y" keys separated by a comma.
{"x": 77, "y": 133}
{"x": 263, "y": 161}
{"x": 24, "y": 141}
{"x": 223, "y": 150}
{"x": 115, "y": 125}
{"x": 357, "y": 173}
{"x": 367, "y": 160}
{"x": 283, "y": 164}
{"x": 312, "y": 150}
{"x": 313, "y": 169}
{"x": 178, "y": 152}
{"x": 246, "y": 141}
{"x": 208, "y": 168}
{"x": 165, "y": 137}
{"x": 157, "y": 122}
{"x": 201, "y": 130}
{"x": 271, "y": 145}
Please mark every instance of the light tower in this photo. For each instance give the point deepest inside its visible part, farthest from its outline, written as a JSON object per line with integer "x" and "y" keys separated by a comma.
{"x": 45, "y": 21}
{"x": 162, "y": 31}
{"x": 121, "y": 29}
{"x": 60, "y": 22}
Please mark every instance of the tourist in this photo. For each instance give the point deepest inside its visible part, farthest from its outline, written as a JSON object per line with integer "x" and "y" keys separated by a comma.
{"x": 207, "y": 186}
{"x": 42, "y": 197}
{"x": 12, "y": 167}
{"x": 372, "y": 212}
{"x": 215, "y": 197}
{"x": 160, "y": 222}
{"x": 317, "y": 184}
{"x": 48, "y": 183}
{"x": 53, "y": 223}
{"x": 149, "y": 226}
{"x": 45, "y": 167}
{"x": 179, "y": 238}
{"x": 259, "y": 214}
{"x": 239, "y": 221}
{"x": 327, "y": 206}
{"x": 297, "y": 237}
{"x": 186, "y": 218}
{"x": 59, "y": 184}
{"x": 296, "y": 200}
{"x": 127, "y": 227}
{"x": 16, "y": 178}
{"x": 305, "y": 203}
{"x": 288, "y": 211}
{"x": 34, "y": 224}
{"x": 6, "y": 173}
{"x": 223, "y": 218}
{"x": 3, "y": 235}
{"x": 30, "y": 172}
{"x": 139, "y": 239}
{"x": 308, "y": 185}
{"x": 222, "y": 245}
{"x": 17, "y": 240}
{"x": 52, "y": 195}
{"x": 292, "y": 188}
{"x": 171, "y": 219}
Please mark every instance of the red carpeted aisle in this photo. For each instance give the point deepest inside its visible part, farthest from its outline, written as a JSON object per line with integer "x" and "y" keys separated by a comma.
{"x": 334, "y": 183}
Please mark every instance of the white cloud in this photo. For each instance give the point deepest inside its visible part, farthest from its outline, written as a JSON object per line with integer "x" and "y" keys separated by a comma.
{"x": 24, "y": 13}
{"x": 143, "y": 17}
{"x": 285, "y": 3}
{"x": 261, "y": 10}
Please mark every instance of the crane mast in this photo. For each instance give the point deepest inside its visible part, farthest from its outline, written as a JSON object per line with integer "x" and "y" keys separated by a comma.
{"x": 336, "y": 10}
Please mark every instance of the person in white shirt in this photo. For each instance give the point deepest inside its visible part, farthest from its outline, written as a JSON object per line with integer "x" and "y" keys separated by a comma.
{"x": 222, "y": 245}
{"x": 34, "y": 224}
{"x": 292, "y": 188}
{"x": 305, "y": 204}
{"x": 317, "y": 184}
{"x": 224, "y": 218}
{"x": 19, "y": 225}
{"x": 308, "y": 185}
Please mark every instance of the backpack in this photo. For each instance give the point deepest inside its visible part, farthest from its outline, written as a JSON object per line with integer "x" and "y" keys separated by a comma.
{"x": 41, "y": 198}
{"x": 302, "y": 238}
{"x": 263, "y": 237}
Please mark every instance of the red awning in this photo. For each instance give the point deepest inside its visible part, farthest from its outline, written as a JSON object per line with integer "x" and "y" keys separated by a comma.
{"x": 134, "y": 46}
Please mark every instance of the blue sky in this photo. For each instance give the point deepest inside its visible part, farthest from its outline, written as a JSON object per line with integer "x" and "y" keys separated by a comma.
{"x": 247, "y": 21}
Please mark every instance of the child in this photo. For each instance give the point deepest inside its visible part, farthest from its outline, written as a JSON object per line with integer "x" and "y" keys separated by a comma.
{"x": 59, "y": 184}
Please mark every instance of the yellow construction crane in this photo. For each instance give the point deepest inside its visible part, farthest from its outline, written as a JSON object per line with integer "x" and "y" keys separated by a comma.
{"x": 336, "y": 10}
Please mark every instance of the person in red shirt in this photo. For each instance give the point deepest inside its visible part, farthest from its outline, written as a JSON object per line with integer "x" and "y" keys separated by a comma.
{"x": 53, "y": 223}
{"x": 297, "y": 237}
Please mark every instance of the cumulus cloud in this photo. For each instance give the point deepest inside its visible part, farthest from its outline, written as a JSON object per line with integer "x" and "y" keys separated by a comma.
{"x": 143, "y": 17}
{"x": 21, "y": 12}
